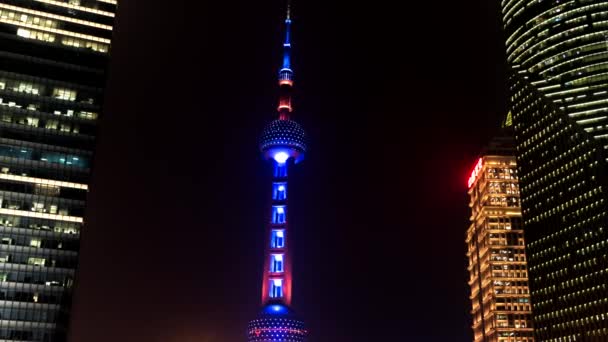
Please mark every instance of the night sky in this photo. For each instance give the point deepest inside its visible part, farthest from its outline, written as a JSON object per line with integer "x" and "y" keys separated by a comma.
{"x": 397, "y": 98}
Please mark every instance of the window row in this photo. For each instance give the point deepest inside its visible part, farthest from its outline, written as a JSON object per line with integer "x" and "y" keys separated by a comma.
{"x": 34, "y": 88}
{"x": 27, "y": 187}
{"x": 20, "y": 334}
{"x": 44, "y": 156}
{"x": 33, "y": 314}
{"x": 42, "y": 206}
{"x": 64, "y": 40}
{"x": 44, "y": 276}
{"x": 55, "y": 260}
{"x": 33, "y": 223}
{"x": 38, "y": 242}
{"x": 39, "y": 107}
{"x": 28, "y": 295}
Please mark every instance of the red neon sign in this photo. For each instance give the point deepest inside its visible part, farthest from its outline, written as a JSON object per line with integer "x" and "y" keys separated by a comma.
{"x": 475, "y": 172}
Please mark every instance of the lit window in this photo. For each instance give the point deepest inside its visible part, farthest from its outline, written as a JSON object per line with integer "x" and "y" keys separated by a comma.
{"x": 278, "y": 214}
{"x": 64, "y": 94}
{"x": 38, "y": 207}
{"x": 279, "y": 192}
{"x": 87, "y": 115}
{"x": 35, "y": 243}
{"x": 27, "y": 88}
{"x": 23, "y": 33}
{"x": 277, "y": 239}
{"x": 36, "y": 261}
{"x": 276, "y": 263}
{"x": 276, "y": 288}
{"x": 280, "y": 170}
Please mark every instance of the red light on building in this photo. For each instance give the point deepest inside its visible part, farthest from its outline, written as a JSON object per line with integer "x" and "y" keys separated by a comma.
{"x": 475, "y": 172}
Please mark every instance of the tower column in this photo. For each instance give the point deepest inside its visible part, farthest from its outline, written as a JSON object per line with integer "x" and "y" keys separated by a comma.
{"x": 276, "y": 285}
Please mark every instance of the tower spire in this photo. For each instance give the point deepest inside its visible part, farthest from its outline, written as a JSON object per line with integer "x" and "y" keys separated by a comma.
{"x": 286, "y": 73}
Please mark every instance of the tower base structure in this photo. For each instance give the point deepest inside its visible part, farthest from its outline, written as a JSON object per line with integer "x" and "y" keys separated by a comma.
{"x": 276, "y": 323}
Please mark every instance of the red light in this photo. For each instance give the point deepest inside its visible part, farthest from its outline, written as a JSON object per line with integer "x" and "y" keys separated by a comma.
{"x": 475, "y": 172}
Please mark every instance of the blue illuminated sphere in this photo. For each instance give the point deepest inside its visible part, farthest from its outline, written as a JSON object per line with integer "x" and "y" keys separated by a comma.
{"x": 285, "y": 136}
{"x": 276, "y": 323}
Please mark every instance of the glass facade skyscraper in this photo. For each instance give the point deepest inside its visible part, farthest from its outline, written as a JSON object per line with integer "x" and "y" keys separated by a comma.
{"x": 53, "y": 60}
{"x": 564, "y": 46}
{"x": 558, "y": 54}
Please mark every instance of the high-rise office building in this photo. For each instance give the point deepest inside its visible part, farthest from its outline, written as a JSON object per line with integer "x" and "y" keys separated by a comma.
{"x": 53, "y": 59}
{"x": 282, "y": 143}
{"x": 564, "y": 47}
{"x": 500, "y": 298}
{"x": 558, "y": 53}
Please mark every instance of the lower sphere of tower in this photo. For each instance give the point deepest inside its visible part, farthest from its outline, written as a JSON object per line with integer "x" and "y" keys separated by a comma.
{"x": 283, "y": 136}
{"x": 276, "y": 323}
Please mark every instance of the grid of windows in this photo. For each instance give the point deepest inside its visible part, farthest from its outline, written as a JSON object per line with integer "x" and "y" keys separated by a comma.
{"x": 563, "y": 175}
{"x": 53, "y": 59}
{"x": 559, "y": 92}
{"x": 563, "y": 45}
{"x": 500, "y": 297}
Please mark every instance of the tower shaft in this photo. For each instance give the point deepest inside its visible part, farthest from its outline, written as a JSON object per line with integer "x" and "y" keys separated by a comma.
{"x": 277, "y": 278}
{"x": 286, "y": 74}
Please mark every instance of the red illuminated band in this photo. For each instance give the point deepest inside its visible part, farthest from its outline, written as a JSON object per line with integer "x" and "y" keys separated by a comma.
{"x": 475, "y": 172}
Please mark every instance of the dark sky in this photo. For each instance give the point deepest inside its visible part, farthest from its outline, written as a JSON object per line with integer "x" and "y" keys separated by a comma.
{"x": 397, "y": 98}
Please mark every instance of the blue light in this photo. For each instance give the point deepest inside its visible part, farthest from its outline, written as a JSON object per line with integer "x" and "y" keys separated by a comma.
{"x": 277, "y": 239}
{"x": 276, "y": 309}
{"x": 281, "y": 157}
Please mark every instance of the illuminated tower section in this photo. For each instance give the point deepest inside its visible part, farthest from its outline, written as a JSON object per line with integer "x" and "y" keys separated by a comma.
{"x": 500, "y": 298}
{"x": 283, "y": 144}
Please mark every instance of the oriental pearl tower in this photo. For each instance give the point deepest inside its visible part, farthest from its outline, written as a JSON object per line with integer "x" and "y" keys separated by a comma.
{"x": 283, "y": 144}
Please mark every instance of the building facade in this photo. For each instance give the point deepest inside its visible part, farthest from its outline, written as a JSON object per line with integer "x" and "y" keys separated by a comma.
{"x": 564, "y": 47}
{"x": 53, "y": 60}
{"x": 283, "y": 144}
{"x": 558, "y": 55}
{"x": 564, "y": 181}
{"x": 500, "y": 298}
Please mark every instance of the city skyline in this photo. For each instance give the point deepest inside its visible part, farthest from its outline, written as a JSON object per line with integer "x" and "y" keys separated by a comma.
{"x": 178, "y": 179}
